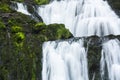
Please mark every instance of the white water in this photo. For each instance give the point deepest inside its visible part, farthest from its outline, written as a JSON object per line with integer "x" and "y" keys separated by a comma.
{"x": 111, "y": 57}
{"x": 67, "y": 61}
{"x": 82, "y": 17}
{"x": 64, "y": 61}
{"x": 22, "y": 8}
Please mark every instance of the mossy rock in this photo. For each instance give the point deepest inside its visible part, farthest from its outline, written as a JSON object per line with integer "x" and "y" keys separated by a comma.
{"x": 19, "y": 37}
{"x": 2, "y": 25}
{"x": 18, "y": 0}
{"x": 58, "y": 31}
{"x": 52, "y": 31}
{"x": 41, "y": 2}
{"x": 4, "y": 7}
{"x": 39, "y": 27}
{"x": 19, "y": 18}
{"x": 16, "y": 29}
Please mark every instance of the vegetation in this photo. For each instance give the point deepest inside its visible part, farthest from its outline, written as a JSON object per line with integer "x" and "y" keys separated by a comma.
{"x": 4, "y": 7}
{"x": 40, "y": 2}
{"x": 2, "y": 25}
{"x": 18, "y": 0}
{"x": 55, "y": 31}
{"x": 16, "y": 29}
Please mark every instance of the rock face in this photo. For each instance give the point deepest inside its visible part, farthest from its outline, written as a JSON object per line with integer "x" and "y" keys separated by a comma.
{"x": 115, "y": 4}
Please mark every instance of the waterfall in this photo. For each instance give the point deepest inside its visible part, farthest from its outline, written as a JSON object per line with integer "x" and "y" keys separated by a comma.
{"x": 65, "y": 60}
{"x": 82, "y": 17}
{"x": 22, "y": 8}
{"x": 111, "y": 59}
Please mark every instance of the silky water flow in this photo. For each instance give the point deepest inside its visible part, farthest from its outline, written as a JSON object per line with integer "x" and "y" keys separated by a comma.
{"x": 64, "y": 61}
{"x": 110, "y": 58}
{"x": 82, "y": 17}
{"x": 67, "y": 60}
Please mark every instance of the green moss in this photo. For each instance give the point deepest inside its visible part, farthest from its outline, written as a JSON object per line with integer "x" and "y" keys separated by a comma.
{"x": 58, "y": 31}
{"x": 41, "y": 2}
{"x": 16, "y": 29}
{"x": 39, "y": 27}
{"x": 19, "y": 37}
{"x": 3, "y": 73}
{"x": 13, "y": 22}
{"x": 2, "y": 25}
{"x": 4, "y": 7}
{"x": 39, "y": 24}
{"x": 51, "y": 32}
{"x": 63, "y": 33}
{"x": 21, "y": 20}
{"x": 18, "y": 0}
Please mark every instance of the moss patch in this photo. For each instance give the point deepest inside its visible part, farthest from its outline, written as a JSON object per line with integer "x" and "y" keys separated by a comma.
{"x": 18, "y": 0}
{"x": 16, "y": 29}
{"x": 41, "y": 2}
{"x": 52, "y": 31}
{"x": 4, "y": 7}
{"x": 2, "y": 25}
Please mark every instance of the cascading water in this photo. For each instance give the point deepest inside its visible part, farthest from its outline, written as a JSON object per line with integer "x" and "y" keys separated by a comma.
{"x": 82, "y": 17}
{"x": 22, "y": 8}
{"x": 64, "y": 61}
{"x": 111, "y": 58}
